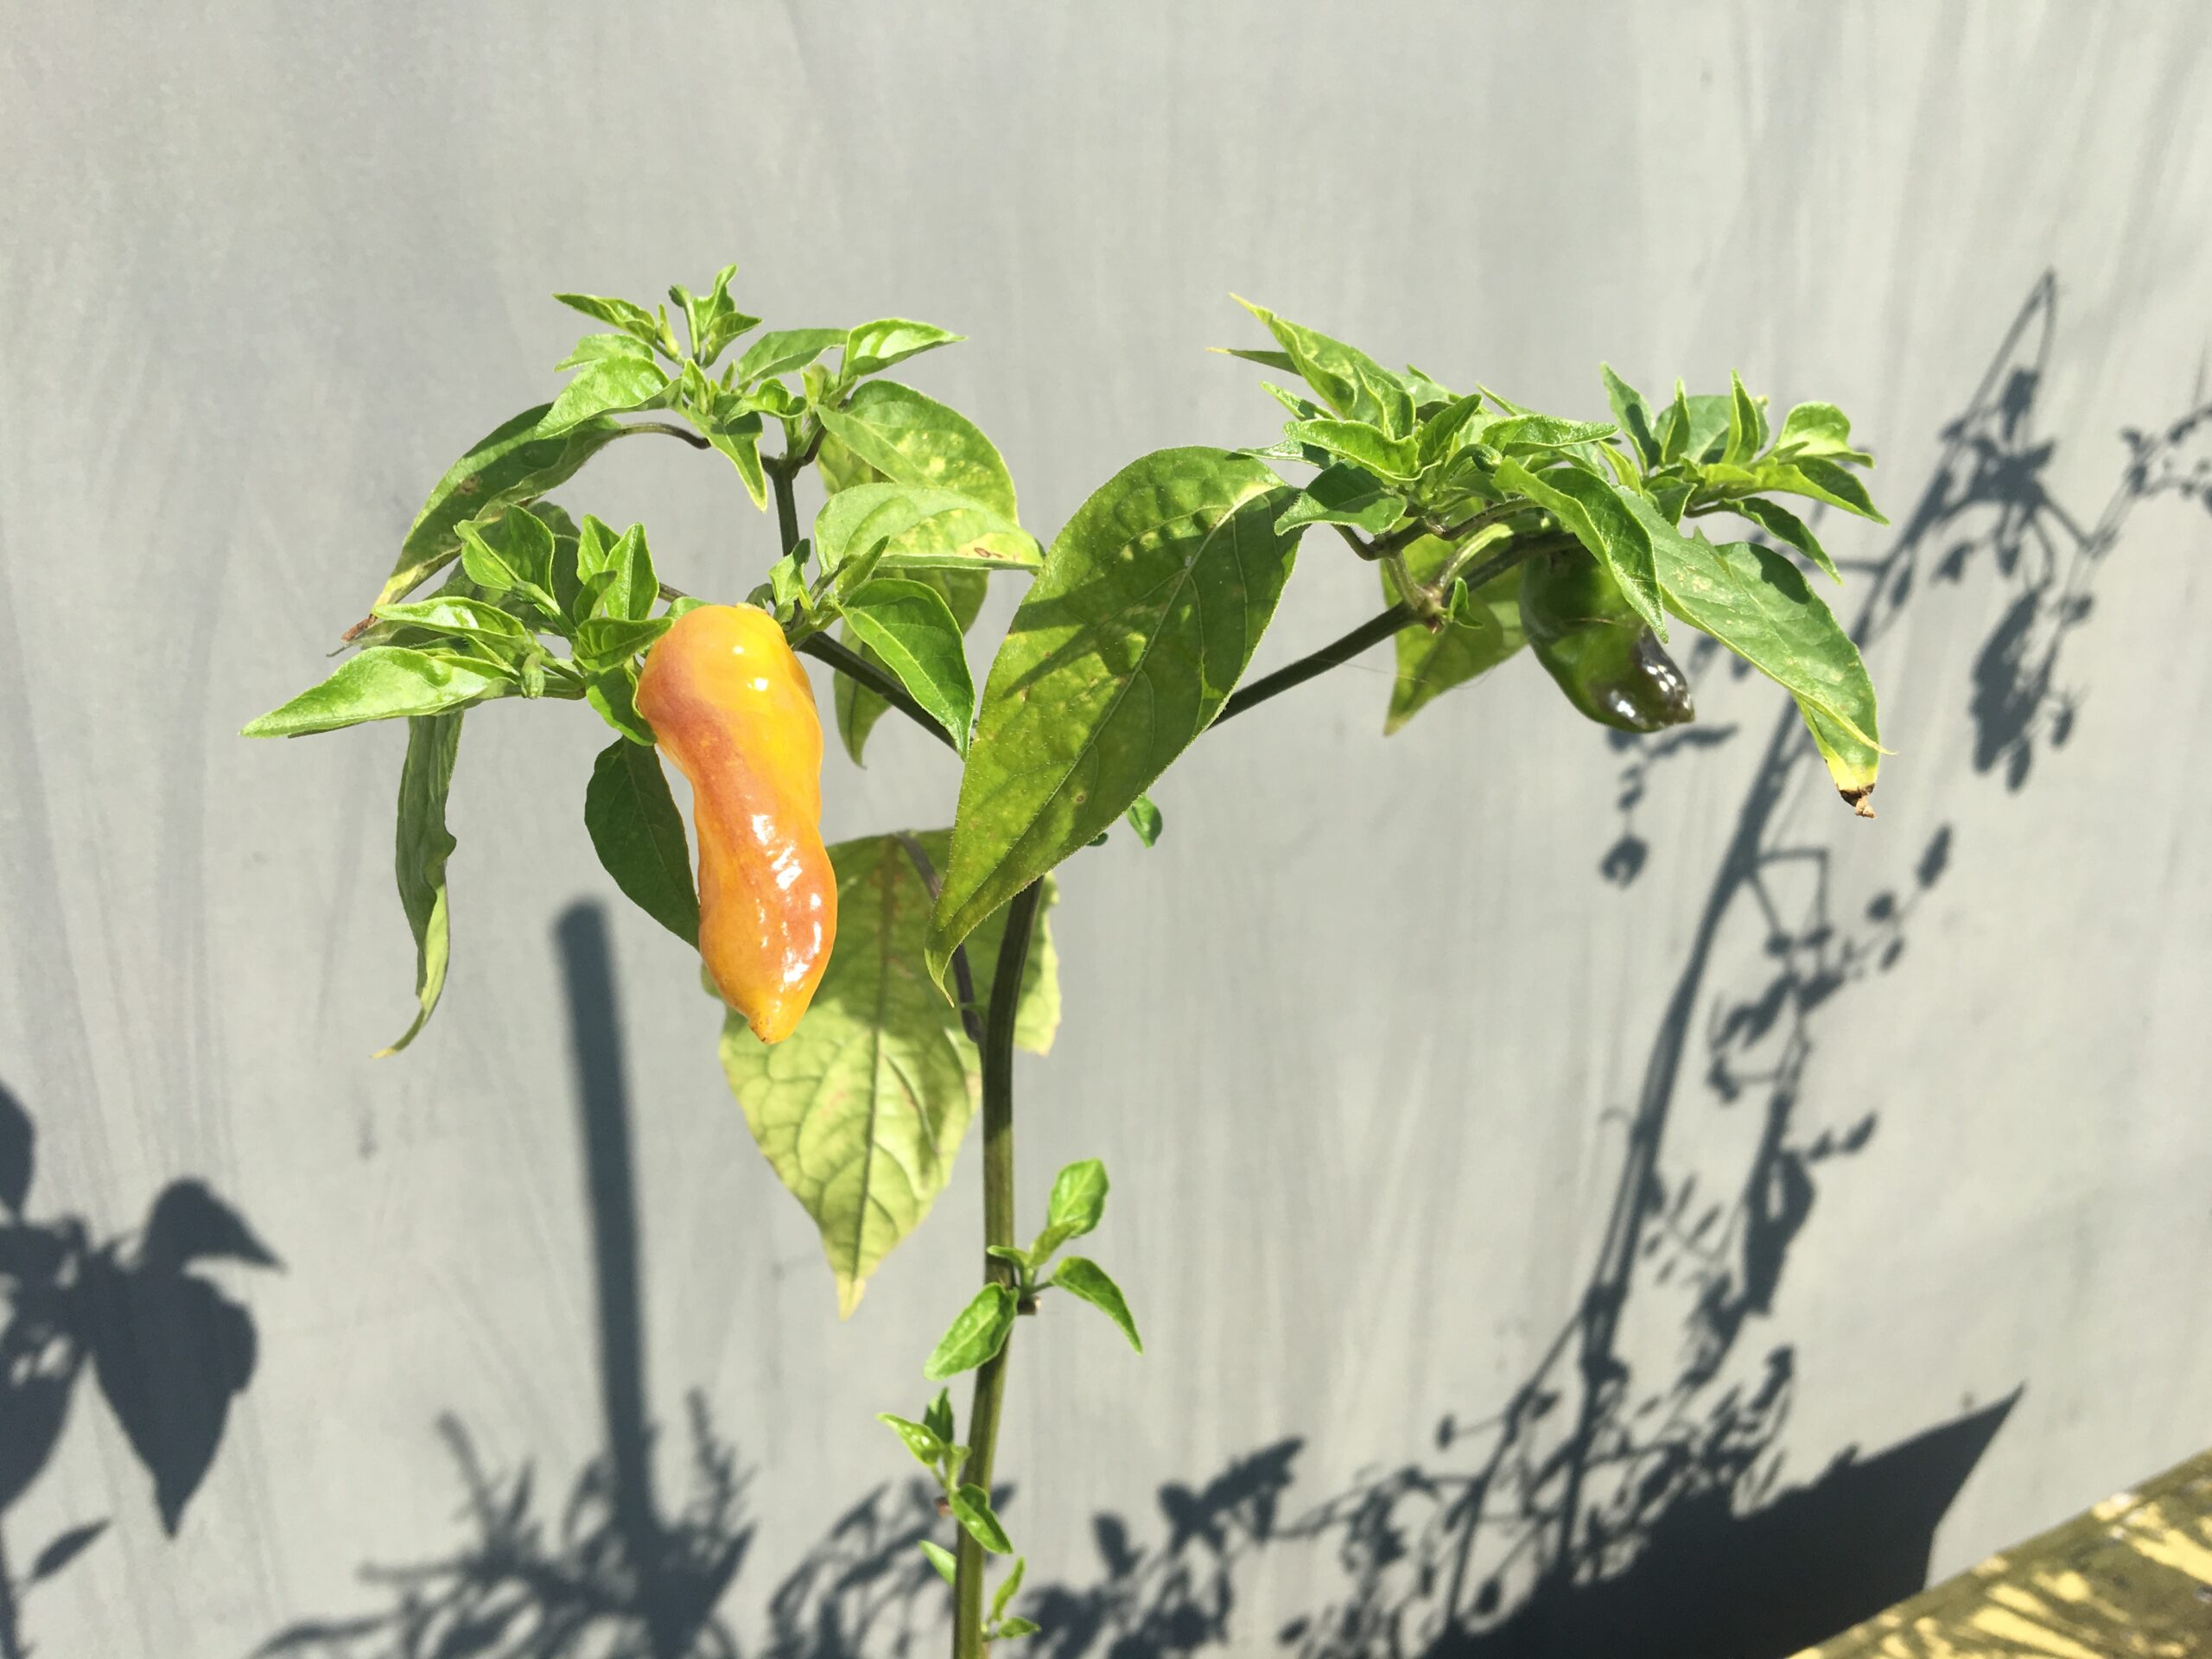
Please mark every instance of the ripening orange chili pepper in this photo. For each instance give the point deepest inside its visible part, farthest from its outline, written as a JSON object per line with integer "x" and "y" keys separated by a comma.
{"x": 732, "y": 708}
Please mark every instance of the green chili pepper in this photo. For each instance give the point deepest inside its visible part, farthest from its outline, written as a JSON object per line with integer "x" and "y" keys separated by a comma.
{"x": 1603, "y": 656}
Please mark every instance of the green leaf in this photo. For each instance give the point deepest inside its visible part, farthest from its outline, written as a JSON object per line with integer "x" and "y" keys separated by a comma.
{"x": 947, "y": 1566}
{"x": 1696, "y": 428}
{"x": 1362, "y": 445}
{"x": 602, "y": 642}
{"x": 1817, "y": 429}
{"x": 1746, "y": 423}
{"x": 781, "y": 350}
{"x": 1010, "y": 1253}
{"x": 384, "y": 682}
{"x": 911, "y": 528}
{"x": 1633, "y": 414}
{"x": 1282, "y": 361}
{"x": 976, "y": 1334}
{"x": 1821, "y": 480}
{"x": 910, "y": 439}
{"x": 465, "y": 619}
{"x": 1078, "y": 1201}
{"x": 1527, "y": 434}
{"x": 512, "y": 554}
{"x": 1144, "y": 818}
{"x": 593, "y": 348}
{"x": 1476, "y": 639}
{"x": 606, "y": 385}
{"x": 634, "y": 586}
{"x": 858, "y": 709}
{"x": 1009, "y": 1586}
{"x": 1010, "y": 1628}
{"x": 1346, "y": 378}
{"x": 1754, "y": 601}
{"x": 638, "y": 832}
{"x": 1146, "y": 613}
{"x": 938, "y": 1418}
{"x": 913, "y": 633}
{"x": 1786, "y": 527}
{"x": 1080, "y": 1277}
{"x": 632, "y": 319}
{"x": 514, "y": 463}
{"x": 971, "y": 1507}
{"x": 615, "y": 696}
{"x": 860, "y": 1110}
{"x": 874, "y": 347}
{"x": 1597, "y": 515}
{"x": 919, "y": 1438}
{"x": 419, "y": 863}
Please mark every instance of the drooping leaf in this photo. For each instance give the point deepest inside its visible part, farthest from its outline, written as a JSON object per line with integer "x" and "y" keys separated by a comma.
{"x": 971, "y": 1507}
{"x": 781, "y": 350}
{"x": 1596, "y": 513}
{"x": 1754, "y": 601}
{"x": 1786, "y": 527}
{"x": 1145, "y": 615}
{"x": 858, "y": 709}
{"x": 905, "y": 528}
{"x": 976, "y": 1334}
{"x": 613, "y": 694}
{"x": 908, "y": 438}
{"x": 861, "y": 1110}
{"x": 512, "y": 464}
{"x": 1346, "y": 378}
{"x": 424, "y": 845}
{"x": 912, "y": 633}
{"x": 1080, "y": 1277}
{"x": 873, "y": 347}
{"x": 734, "y": 433}
{"x": 384, "y": 682}
{"x": 638, "y": 832}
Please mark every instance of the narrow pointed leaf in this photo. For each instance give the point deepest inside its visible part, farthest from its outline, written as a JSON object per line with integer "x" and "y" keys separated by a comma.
{"x": 976, "y": 1334}
{"x": 423, "y": 845}
{"x": 384, "y": 682}
{"x": 1080, "y": 1277}
{"x": 971, "y": 1507}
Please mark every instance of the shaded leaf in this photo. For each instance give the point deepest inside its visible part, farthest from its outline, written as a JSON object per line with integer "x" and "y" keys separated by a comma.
{"x": 1009, "y": 1586}
{"x": 1146, "y": 613}
{"x": 638, "y": 832}
{"x": 1786, "y": 527}
{"x": 1598, "y": 515}
{"x": 947, "y": 1565}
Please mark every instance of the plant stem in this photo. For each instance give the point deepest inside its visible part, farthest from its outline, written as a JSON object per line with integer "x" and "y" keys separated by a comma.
{"x": 670, "y": 429}
{"x": 1371, "y": 631}
{"x": 998, "y": 1230}
{"x": 783, "y": 476}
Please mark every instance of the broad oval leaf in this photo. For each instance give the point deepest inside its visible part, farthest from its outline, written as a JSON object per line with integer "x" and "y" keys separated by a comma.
{"x": 1145, "y": 615}
{"x": 608, "y": 385}
{"x": 909, "y": 438}
{"x": 976, "y": 1333}
{"x": 638, "y": 832}
{"x": 512, "y": 463}
{"x": 861, "y": 1110}
{"x": 602, "y": 642}
{"x": 1343, "y": 494}
{"x": 384, "y": 682}
{"x": 1078, "y": 1201}
{"x": 913, "y": 633}
{"x": 419, "y": 861}
{"x": 781, "y": 350}
{"x": 1080, "y": 1277}
{"x": 1756, "y": 603}
{"x": 907, "y": 527}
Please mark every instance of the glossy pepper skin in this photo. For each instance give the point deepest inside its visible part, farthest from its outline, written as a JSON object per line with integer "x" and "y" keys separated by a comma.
{"x": 730, "y": 705}
{"x": 1603, "y": 655}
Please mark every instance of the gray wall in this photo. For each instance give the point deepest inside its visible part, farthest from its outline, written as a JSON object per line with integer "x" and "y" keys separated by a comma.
{"x": 1363, "y": 1038}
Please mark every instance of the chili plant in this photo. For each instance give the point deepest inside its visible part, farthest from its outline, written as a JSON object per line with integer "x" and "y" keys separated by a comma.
{"x": 891, "y": 976}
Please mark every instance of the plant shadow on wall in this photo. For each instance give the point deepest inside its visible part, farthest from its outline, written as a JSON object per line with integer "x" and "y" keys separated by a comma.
{"x": 163, "y": 1346}
{"x": 1620, "y": 1503}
